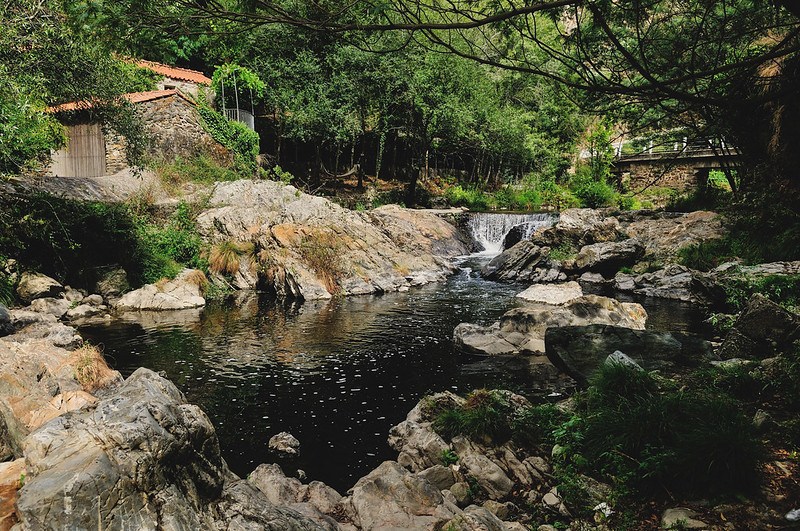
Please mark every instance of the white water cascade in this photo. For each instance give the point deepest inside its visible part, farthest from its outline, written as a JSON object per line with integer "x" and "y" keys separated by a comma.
{"x": 489, "y": 230}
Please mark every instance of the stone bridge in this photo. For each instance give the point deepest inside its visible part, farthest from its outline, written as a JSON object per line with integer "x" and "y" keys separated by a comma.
{"x": 680, "y": 169}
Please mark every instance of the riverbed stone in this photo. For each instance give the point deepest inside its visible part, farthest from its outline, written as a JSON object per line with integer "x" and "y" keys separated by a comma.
{"x": 580, "y": 350}
{"x": 54, "y": 306}
{"x": 6, "y": 324}
{"x": 113, "y": 283}
{"x": 607, "y": 257}
{"x": 524, "y": 262}
{"x": 674, "y": 281}
{"x": 180, "y": 293}
{"x": 12, "y": 476}
{"x": 439, "y": 475}
{"x": 761, "y": 326}
{"x": 681, "y": 518}
{"x": 461, "y": 493}
{"x": 284, "y": 442}
{"x": 418, "y": 446}
{"x": 522, "y": 330}
{"x": 555, "y": 294}
{"x": 143, "y": 457}
{"x": 36, "y": 285}
{"x": 391, "y": 497}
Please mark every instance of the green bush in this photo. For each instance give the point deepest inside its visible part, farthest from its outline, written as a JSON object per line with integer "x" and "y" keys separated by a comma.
{"x": 233, "y": 135}
{"x": 484, "y": 417}
{"x": 536, "y": 425}
{"x": 73, "y": 240}
{"x": 473, "y": 198}
{"x": 706, "y": 255}
{"x": 781, "y": 289}
{"x": 595, "y": 194}
{"x": 652, "y": 440}
{"x": 7, "y": 295}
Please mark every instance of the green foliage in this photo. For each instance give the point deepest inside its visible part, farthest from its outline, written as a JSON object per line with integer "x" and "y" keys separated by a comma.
{"x": 591, "y": 193}
{"x": 651, "y": 439}
{"x": 71, "y": 240}
{"x": 449, "y": 457}
{"x": 537, "y": 425}
{"x": 199, "y": 169}
{"x": 562, "y": 252}
{"x": 7, "y": 294}
{"x": 233, "y": 135}
{"x": 781, "y": 289}
{"x": 484, "y": 417}
{"x": 706, "y": 255}
{"x": 473, "y": 197}
{"x": 245, "y": 80}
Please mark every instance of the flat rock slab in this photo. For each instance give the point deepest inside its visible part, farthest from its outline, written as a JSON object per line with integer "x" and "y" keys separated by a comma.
{"x": 556, "y": 294}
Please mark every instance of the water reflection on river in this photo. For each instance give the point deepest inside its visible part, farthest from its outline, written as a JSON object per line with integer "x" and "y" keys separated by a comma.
{"x": 336, "y": 374}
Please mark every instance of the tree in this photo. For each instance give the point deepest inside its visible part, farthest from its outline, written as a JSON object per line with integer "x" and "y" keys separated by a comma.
{"x": 44, "y": 62}
{"x": 700, "y": 65}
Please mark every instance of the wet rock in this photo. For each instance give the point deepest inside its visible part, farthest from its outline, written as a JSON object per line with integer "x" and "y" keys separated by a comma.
{"x": 762, "y": 325}
{"x": 6, "y": 324}
{"x": 284, "y": 442}
{"x": 391, "y": 497}
{"x": 36, "y": 285}
{"x": 441, "y": 476}
{"x": 418, "y": 445}
{"x": 113, "y": 283}
{"x": 522, "y": 330}
{"x": 181, "y": 293}
{"x": 50, "y": 305}
{"x": 35, "y": 325}
{"x": 141, "y": 457}
{"x": 622, "y": 359}
{"x": 672, "y": 282}
{"x": 525, "y": 262}
{"x": 681, "y": 518}
{"x": 85, "y": 311}
{"x": 580, "y": 350}
{"x": 556, "y": 294}
{"x": 607, "y": 257}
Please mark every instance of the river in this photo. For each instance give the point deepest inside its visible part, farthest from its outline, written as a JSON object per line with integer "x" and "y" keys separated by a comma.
{"x": 336, "y": 374}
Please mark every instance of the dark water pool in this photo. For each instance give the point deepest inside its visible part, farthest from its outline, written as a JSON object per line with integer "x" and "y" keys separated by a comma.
{"x": 335, "y": 374}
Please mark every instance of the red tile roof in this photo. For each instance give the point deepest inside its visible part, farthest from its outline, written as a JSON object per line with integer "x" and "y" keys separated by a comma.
{"x": 173, "y": 72}
{"x": 133, "y": 97}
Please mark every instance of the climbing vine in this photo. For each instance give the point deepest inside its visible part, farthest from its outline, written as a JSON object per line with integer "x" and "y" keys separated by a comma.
{"x": 233, "y": 135}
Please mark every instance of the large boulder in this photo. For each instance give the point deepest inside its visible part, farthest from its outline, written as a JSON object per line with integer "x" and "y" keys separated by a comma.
{"x": 524, "y": 262}
{"x": 184, "y": 292}
{"x": 672, "y": 282}
{"x": 762, "y": 326}
{"x": 606, "y": 257}
{"x": 57, "y": 307}
{"x": 580, "y": 350}
{"x": 556, "y": 294}
{"x": 522, "y": 330}
{"x": 141, "y": 458}
{"x": 391, "y": 497}
{"x": 664, "y": 235}
{"x": 36, "y": 285}
{"x": 577, "y": 227}
{"x": 308, "y": 247}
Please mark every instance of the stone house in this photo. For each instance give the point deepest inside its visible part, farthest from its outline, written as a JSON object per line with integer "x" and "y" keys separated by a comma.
{"x": 182, "y": 79}
{"x": 170, "y": 115}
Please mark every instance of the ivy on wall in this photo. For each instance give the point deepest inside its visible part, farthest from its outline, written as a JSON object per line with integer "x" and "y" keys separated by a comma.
{"x": 237, "y": 137}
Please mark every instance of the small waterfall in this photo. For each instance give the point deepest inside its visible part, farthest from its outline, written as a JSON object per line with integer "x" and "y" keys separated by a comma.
{"x": 489, "y": 230}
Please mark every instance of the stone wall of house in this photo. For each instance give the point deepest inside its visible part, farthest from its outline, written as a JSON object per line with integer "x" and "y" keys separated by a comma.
{"x": 187, "y": 87}
{"x": 175, "y": 129}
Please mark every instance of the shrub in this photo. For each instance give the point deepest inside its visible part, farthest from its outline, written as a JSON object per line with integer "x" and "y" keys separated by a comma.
{"x": 473, "y": 198}
{"x": 233, "y": 135}
{"x": 484, "y": 417}
{"x": 595, "y": 194}
{"x": 225, "y": 257}
{"x": 706, "y": 255}
{"x": 652, "y": 440}
{"x": 200, "y": 169}
{"x": 536, "y": 425}
{"x": 322, "y": 251}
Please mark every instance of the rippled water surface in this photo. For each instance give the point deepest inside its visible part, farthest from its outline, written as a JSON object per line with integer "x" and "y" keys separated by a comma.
{"x": 335, "y": 374}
